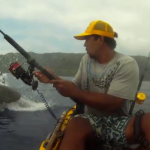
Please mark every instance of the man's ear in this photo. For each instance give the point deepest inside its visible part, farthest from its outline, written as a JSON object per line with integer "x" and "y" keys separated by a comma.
{"x": 101, "y": 39}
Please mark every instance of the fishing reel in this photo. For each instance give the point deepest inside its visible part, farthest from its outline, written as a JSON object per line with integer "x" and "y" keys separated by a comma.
{"x": 26, "y": 76}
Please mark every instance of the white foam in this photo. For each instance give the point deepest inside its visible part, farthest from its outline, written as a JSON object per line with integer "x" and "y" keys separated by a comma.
{"x": 27, "y": 105}
{"x": 3, "y": 79}
{"x": 5, "y": 74}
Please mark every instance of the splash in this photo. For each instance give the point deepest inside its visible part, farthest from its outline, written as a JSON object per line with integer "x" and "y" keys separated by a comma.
{"x": 27, "y": 105}
{"x": 2, "y": 78}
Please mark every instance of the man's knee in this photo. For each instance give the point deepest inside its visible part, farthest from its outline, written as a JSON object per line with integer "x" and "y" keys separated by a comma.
{"x": 79, "y": 126}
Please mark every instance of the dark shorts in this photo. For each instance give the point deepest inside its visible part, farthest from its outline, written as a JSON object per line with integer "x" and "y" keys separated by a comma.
{"x": 109, "y": 129}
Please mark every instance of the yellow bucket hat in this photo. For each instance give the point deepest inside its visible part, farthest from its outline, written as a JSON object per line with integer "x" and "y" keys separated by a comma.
{"x": 98, "y": 27}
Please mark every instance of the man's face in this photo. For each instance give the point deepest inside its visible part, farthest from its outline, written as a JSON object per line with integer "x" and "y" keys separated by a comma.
{"x": 93, "y": 46}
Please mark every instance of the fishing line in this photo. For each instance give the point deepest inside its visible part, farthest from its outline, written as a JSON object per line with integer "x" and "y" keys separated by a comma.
{"x": 46, "y": 105}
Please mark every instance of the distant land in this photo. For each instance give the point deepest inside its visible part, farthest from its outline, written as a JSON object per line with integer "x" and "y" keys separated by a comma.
{"x": 63, "y": 64}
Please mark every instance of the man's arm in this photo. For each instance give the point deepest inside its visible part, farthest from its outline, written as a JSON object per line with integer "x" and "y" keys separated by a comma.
{"x": 123, "y": 86}
{"x": 101, "y": 101}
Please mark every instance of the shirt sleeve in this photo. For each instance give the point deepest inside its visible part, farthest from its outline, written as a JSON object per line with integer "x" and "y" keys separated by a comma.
{"x": 125, "y": 81}
{"x": 78, "y": 77}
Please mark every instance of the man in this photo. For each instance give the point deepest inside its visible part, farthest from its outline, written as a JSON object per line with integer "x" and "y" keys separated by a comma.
{"x": 106, "y": 83}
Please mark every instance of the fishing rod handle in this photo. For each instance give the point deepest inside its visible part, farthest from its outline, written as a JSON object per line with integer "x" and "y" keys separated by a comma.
{"x": 45, "y": 72}
{"x": 17, "y": 46}
{"x": 27, "y": 56}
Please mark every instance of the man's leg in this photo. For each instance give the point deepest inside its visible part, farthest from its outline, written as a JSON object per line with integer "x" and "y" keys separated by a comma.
{"x": 78, "y": 132}
{"x": 145, "y": 127}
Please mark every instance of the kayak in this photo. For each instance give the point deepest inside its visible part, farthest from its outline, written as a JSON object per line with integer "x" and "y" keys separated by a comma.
{"x": 53, "y": 139}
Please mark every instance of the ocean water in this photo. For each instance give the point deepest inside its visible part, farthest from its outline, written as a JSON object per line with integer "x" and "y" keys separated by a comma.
{"x": 26, "y": 123}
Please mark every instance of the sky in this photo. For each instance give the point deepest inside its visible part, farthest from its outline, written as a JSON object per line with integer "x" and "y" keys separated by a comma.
{"x": 47, "y": 26}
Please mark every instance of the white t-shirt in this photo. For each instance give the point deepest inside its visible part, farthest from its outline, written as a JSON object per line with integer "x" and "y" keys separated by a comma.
{"x": 119, "y": 78}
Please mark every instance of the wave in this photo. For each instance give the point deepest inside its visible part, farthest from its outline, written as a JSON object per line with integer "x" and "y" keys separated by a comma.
{"x": 27, "y": 105}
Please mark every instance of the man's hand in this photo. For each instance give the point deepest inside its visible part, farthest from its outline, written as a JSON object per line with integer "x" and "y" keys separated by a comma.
{"x": 42, "y": 78}
{"x": 65, "y": 88}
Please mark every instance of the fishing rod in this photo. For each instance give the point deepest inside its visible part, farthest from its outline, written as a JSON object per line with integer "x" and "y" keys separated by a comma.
{"x": 140, "y": 83}
{"x": 30, "y": 60}
{"x": 27, "y": 76}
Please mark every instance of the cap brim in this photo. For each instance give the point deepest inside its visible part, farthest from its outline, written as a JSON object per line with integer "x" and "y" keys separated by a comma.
{"x": 81, "y": 36}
